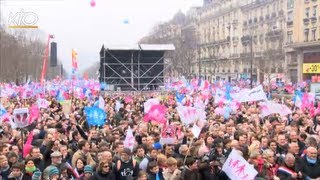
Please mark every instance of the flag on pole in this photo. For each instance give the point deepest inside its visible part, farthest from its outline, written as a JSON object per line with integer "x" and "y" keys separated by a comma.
{"x": 74, "y": 61}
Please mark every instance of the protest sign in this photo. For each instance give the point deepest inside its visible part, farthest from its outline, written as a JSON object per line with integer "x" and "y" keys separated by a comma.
{"x": 237, "y": 168}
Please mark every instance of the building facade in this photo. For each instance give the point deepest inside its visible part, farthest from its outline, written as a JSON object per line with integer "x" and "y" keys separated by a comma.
{"x": 302, "y": 37}
{"x": 239, "y": 39}
{"x": 235, "y": 35}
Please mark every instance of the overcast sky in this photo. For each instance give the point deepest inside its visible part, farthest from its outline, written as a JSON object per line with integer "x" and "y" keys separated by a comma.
{"x": 77, "y": 25}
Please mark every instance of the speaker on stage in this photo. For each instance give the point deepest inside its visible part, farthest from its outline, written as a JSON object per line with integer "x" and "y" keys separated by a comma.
{"x": 53, "y": 54}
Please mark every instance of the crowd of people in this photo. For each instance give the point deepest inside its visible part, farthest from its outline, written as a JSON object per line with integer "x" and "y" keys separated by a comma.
{"x": 64, "y": 146}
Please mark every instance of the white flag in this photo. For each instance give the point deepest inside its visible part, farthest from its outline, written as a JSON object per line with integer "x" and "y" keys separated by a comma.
{"x": 237, "y": 168}
{"x": 101, "y": 103}
{"x": 129, "y": 141}
{"x": 255, "y": 94}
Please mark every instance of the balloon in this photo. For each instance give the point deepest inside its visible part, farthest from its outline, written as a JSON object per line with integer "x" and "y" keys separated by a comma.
{"x": 93, "y": 3}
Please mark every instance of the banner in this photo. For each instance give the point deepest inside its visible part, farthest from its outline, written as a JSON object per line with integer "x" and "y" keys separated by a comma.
{"x": 255, "y": 94}
{"x": 311, "y": 68}
{"x": 270, "y": 107}
{"x": 168, "y": 134}
{"x": 237, "y": 168}
{"x": 20, "y": 118}
{"x": 189, "y": 115}
{"x": 66, "y": 106}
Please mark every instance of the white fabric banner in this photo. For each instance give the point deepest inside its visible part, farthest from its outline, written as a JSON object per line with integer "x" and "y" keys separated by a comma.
{"x": 270, "y": 107}
{"x": 149, "y": 103}
{"x": 255, "y": 94}
{"x": 237, "y": 168}
{"x": 189, "y": 115}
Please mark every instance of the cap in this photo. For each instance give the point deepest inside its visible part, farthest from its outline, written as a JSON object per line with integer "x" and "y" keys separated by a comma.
{"x": 53, "y": 170}
{"x": 56, "y": 154}
{"x": 88, "y": 169}
{"x": 157, "y": 146}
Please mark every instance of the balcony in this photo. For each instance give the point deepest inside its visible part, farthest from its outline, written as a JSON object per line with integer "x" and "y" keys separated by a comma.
{"x": 245, "y": 54}
{"x": 306, "y": 21}
{"x": 235, "y": 22}
{"x": 289, "y": 23}
{"x": 313, "y": 19}
{"x": 267, "y": 16}
{"x": 261, "y": 18}
{"x": 281, "y": 13}
{"x": 235, "y": 55}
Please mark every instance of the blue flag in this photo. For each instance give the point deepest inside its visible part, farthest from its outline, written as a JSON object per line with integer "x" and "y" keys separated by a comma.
{"x": 2, "y": 110}
{"x": 95, "y": 116}
{"x": 180, "y": 97}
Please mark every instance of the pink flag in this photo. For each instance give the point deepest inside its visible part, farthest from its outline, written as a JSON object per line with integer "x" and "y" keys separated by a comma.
{"x": 27, "y": 146}
{"x": 34, "y": 113}
{"x": 156, "y": 113}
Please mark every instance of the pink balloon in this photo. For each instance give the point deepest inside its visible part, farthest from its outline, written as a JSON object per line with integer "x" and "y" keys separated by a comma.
{"x": 93, "y": 3}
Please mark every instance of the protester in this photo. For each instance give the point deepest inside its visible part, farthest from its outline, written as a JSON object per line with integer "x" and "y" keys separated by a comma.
{"x": 65, "y": 138}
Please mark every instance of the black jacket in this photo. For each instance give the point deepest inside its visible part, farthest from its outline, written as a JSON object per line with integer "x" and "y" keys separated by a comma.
{"x": 309, "y": 170}
{"x": 187, "y": 174}
{"x": 285, "y": 176}
{"x": 99, "y": 175}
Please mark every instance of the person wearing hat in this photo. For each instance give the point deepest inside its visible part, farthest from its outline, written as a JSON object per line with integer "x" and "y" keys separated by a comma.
{"x": 126, "y": 167}
{"x": 87, "y": 173}
{"x": 36, "y": 175}
{"x": 53, "y": 173}
{"x": 56, "y": 160}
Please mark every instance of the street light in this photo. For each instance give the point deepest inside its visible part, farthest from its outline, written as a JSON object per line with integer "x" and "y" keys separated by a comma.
{"x": 248, "y": 40}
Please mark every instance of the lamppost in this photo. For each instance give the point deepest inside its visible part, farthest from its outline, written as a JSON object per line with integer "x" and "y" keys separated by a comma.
{"x": 248, "y": 40}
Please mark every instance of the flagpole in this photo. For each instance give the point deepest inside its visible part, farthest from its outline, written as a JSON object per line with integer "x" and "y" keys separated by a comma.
{"x": 44, "y": 62}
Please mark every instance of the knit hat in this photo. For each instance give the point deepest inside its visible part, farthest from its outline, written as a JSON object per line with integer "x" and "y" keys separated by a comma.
{"x": 53, "y": 171}
{"x": 88, "y": 169}
{"x": 36, "y": 175}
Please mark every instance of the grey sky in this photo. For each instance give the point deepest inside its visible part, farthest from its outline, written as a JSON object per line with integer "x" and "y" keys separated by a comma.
{"x": 77, "y": 25}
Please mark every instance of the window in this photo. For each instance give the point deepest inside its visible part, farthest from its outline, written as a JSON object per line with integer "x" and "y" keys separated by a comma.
{"x": 314, "y": 14}
{"x": 307, "y": 12}
{"x": 290, "y": 16}
{"x": 289, "y": 37}
{"x": 306, "y": 35}
{"x": 313, "y": 34}
{"x": 290, "y": 4}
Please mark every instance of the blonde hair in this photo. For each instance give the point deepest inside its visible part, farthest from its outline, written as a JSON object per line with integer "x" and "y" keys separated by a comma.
{"x": 171, "y": 161}
{"x": 162, "y": 159}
